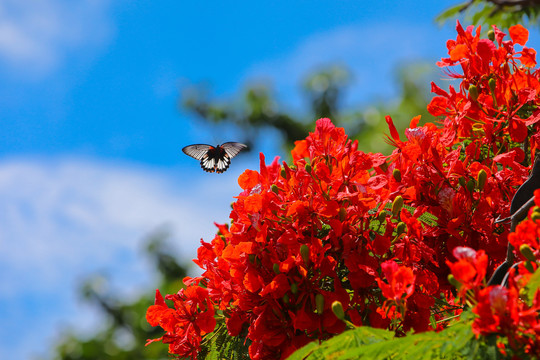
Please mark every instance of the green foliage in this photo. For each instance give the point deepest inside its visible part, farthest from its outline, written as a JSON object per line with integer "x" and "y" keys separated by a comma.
{"x": 426, "y": 217}
{"x": 450, "y": 13}
{"x": 339, "y": 346}
{"x": 503, "y": 13}
{"x": 455, "y": 342}
{"x": 219, "y": 345}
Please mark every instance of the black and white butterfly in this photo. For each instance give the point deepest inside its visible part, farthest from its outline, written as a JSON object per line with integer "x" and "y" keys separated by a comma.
{"x": 214, "y": 158}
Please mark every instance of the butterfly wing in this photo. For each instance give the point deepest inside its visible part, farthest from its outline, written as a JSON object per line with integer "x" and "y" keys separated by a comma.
{"x": 197, "y": 151}
{"x": 208, "y": 164}
{"x": 214, "y": 159}
{"x": 233, "y": 148}
{"x": 222, "y": 164}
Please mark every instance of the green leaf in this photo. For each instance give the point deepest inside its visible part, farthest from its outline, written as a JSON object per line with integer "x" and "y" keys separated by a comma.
{"x": 426, "y": 217}
{"x": 483, "y": 13}
{"x": 450, "y": 13}
{"x": 220, "y": 345}
{"x": 455, "y": 342}
{"x": 343, "y": 343}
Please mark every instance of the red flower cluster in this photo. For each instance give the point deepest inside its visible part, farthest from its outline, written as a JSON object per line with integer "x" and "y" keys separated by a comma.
{"x": 191, "y": 318}
{"x": 512, "y": 312}
{"x": 499, "y": 84}
{"x": 299, "y": 240}
{"x": 372, "y": 232}
{"x": 526, "y": 238}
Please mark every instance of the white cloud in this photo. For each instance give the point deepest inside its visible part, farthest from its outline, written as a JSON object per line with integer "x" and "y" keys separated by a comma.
{"x": 63, "y": 219}
{"x": 36, "y": 36}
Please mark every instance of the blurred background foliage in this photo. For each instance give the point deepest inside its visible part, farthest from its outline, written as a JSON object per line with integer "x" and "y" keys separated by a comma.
{"x": 503, "y": 13}
{"x": 124, "y": 332}
{"x": 252, "y": 112}
{"x": 255, "y": 110}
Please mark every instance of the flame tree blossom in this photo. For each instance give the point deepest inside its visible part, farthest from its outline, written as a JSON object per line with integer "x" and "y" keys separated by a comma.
{"x": 510, "y": 312}
{"x": 191, "y": 318}
{"x": 378, "y": 234}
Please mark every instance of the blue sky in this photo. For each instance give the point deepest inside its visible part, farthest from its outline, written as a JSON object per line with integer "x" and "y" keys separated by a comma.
{"x": 91, "y": 134}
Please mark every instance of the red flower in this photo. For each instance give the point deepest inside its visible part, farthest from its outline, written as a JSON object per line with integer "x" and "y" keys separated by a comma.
{"x": 470, "y": 268}
{"x": 496, "y": 309}
{"x": 519, "y": 34}
{"x": 160, "y": 314}
{"x": 400, "y": 281}
{"x": 191, "y": 318}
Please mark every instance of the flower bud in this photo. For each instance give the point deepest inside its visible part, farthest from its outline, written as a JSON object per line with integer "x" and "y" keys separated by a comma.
{"x": 319, "y": 303}
{"x": 492, "y": 84}
{"x": 473, "y": 92}
{"x": 337, "y": 309}
{"x": 397, "y": 175}
{"x": 527, "y": 252}
{"x": 342, "y": 214}
{"x": 308, "y": 168}
{"x": 535, "y": 216}
{"x": 275, "y": 188}
{"x": 397, "y": 205}
{"x": 276, "y": 268}
{"x": 452, "y": 280}
{"x": 294, "y": 288}
{"x": 401, "y": 228}
{"x": 471, "y": 184}
{"x": 462, "y": 182}
{"x": 481, "y": 179}
{"x": 382, "y": 216}
{"x": 536, "y": 209}
{"x": 284, "y": 173}
{"x": 304, "y": 252}
{"x": 491, "y": 35}
{"x": 432, "y": 322}
{"x": 529, "y": 266}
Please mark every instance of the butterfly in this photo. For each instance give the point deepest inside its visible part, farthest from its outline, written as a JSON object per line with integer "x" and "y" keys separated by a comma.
{"x": 214, "y": 158}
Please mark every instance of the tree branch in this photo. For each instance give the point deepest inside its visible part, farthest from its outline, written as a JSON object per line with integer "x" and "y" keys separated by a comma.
{"x": 501, "y": 271}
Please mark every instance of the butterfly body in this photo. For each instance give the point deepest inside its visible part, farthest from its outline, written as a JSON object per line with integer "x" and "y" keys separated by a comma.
{"x": 214, "y": 158}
